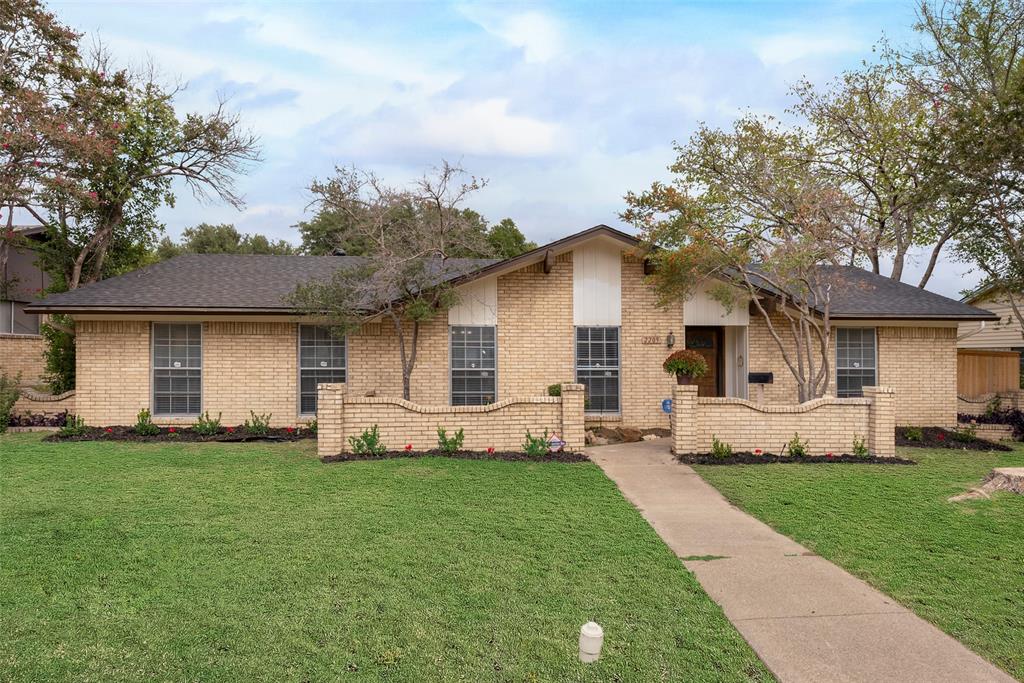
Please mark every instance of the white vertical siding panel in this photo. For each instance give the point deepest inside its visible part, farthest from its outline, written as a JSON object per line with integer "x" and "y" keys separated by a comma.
{"x": 478, "y": 303}
{"x": 597, "y": 285}
{"x": 702, "y": 309}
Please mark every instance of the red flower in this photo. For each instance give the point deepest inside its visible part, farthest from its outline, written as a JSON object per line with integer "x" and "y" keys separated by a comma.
{"x": 109, "y": 430}
{"x": 829, "y": 454}
{"x": 940, "y": 436}
{"x": 490, "y": 450}
{"x": 289, "y": 429}
{"x": 171, "y": 430}
{"x": 408, "y": 446}
{"x": 231, "y": 430}
{"x": 757, "y": 451}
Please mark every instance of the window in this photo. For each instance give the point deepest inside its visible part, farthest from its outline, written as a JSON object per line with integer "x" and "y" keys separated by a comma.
{"x": 597, "y": 367}
{"x": 474, "y": 371}
{"x": 321, "y": 360}
{"x": 855, "y": 361}
{"x": 14, "y": 319}
{"x": 177, "y": 369}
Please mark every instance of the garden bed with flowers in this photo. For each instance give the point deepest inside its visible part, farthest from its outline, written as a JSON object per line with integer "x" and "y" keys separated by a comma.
{"x": 489, "y": 454}
{"x": 963, "y": 438}
{"x": 224, "y": 435}
{"x": 761, "y": 458}
{"x": 38, "y": 420}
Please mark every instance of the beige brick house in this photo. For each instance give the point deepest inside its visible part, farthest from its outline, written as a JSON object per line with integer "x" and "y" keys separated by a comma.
{"x": 212, "y": 332}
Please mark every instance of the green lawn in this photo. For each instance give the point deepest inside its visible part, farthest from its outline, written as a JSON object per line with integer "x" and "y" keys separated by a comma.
{"x": 232, "y": 562}
{"x": 959, "y": 565}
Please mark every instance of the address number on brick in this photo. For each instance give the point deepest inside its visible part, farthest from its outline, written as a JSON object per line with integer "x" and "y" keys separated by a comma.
{"x": 650, "y": 340}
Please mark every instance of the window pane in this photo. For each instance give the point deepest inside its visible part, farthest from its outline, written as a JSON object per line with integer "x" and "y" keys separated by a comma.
{"x": 597, "y": 367}
{"x": 177, "y": 369}
{"x": 321, "y": 361}
{"x": 473, "y": 365}
{"x": 6, "y": 324}
{"x": 855, "y": 361}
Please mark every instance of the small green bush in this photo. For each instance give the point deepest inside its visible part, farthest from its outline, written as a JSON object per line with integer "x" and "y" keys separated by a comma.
{"x": 797, "y": 448}
{"x": 914, "y": 434}
{"x": 144, "y": 424}
{"x": 720, "y": 449}
{"x": 994, "y": 407}
{"x": 554, "y": 390}
{"x": 259, "y": 425}
{"x": 312, "y": 426}
{"x": 8, "y": 397}
{"x": 859, "y": 447}
{"x": 448, "y": 444}
{"x": 965, "y": 433}
{"x": 368, "y": 443}
{"x": 74, "y": 426}
{"x": 207, "y": 426}
{"x": 536, "y": 446}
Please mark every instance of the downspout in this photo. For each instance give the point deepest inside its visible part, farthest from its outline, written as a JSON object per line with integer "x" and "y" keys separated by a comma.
{"x": 971, "y": 334}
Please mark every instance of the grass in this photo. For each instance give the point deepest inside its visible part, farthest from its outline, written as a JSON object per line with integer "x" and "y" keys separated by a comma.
{"x": 212, "y": 562}
{"x": 958, "y": 565}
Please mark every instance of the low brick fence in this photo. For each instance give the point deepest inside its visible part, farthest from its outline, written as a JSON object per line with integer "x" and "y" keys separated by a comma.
{"x": 826, "y": 424}
{"x": 502, "y": 425}
{"x": 32, "y": 402}
{"x": 977, "y": 405}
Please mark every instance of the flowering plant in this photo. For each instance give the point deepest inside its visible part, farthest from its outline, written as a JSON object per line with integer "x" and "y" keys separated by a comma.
{"x": 408, "y": 447}
{"x": 758, "y": 451}
{"x": 686, "y": 362}
{"x": 490, "y": 450}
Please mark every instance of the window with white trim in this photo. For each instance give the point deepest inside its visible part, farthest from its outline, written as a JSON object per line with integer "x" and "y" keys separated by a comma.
{"x": 474, "y": 370}
{"x": 597, "y": 367}
{"x": 856, "y": 360}
{"x": 177, "y": 368}
{"x": 322, "y": 357}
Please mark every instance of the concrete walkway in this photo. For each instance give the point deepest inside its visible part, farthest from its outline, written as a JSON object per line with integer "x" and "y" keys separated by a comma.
{"x": 805, "y": 617}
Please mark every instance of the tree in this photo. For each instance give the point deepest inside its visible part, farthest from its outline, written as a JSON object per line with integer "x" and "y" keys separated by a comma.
{"x": 506, "y": 240}
{"x": 412, "y": 234}
{"x": 745, "y": 208}
{"x": 871, "y": 135}
{"x": 220, "y": 239}
{"x": 971, "y": 63}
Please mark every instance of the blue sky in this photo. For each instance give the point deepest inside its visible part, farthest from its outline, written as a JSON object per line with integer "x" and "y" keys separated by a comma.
{"x": 563, "y": 107}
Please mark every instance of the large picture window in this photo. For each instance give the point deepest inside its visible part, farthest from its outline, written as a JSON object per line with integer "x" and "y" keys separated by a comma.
{"x": 597, "y": 367}
{"x": 177, "y": 369}
{"x": 473, "y": 366}
{"x": 856, "y": 361}
{"x": 321, "y": 360}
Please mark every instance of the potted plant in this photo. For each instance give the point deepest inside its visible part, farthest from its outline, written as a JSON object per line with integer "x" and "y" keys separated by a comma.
{"x": 686, "y": 365}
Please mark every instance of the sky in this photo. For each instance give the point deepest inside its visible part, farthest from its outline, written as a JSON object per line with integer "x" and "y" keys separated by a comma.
{"x": 562, "y": 107}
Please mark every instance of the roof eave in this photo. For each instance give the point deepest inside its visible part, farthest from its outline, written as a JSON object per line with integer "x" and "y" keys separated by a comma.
{"x": 890, "y": 316}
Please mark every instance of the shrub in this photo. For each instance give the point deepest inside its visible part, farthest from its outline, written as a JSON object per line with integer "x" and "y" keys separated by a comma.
{"x": 312, "y": 426}
{"x": 686, "y": 362}
{"x": 8, "y": 397}
{"x": 536, "y": 446}
{"x": 259, "y": 425}
{"x": 965, "y": 433}
{"x": 797, "y": 448}
{"x": 368, "y": 443}
{"x": 554, "y": 390}
{"x": 994, "y": 407}
{"x": 59, "y": 354}
{"x": 207, "y": 426}
{"x": 144, "y": 424}
{"x": 448, "y": 444}
{"x": 861, "y": 450}
{"x": 914, "y": 434}
{"x": 720, "y": 449}
{"x": 74, "y": 426}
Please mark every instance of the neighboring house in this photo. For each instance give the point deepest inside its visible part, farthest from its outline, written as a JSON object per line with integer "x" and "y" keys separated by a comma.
{"x": 213, "y": 333}
{"x": 987, "y": 343}
{"x": 21, "y": 347}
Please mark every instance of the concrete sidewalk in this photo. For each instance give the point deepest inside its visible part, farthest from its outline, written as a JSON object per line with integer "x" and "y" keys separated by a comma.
{"x": 805, "y": 617}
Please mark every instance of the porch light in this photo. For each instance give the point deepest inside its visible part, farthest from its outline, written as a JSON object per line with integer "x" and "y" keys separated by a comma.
{"x": 670, "y": 340}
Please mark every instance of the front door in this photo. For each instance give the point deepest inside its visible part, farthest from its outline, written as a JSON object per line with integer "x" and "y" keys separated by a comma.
{"x": 707, "y": 341}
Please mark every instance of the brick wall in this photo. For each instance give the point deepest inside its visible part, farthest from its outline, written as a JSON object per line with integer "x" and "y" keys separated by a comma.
{"x": 826, "y": 424}
{"x": 644, "y": 382}
{"x": 920, "y": 364}
{"x": 22, "y": 354}
{"x": 977, "y": 405}
{"x": 32, "y": 402}
{"x": 501, "y": 425}
{"x": 112, "y": 370}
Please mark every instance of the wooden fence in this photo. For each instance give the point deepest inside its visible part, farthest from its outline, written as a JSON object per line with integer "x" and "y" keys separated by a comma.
{"x": 986, "y": 372}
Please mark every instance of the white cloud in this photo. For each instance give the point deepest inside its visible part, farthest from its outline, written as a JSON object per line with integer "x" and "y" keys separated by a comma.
{"x": 539, "y": 35}
{"x": 786, "y": 48}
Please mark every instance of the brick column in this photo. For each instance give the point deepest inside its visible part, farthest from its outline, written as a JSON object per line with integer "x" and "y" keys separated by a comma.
{"x": 572, "y": 417}
{"x": 684, "y": 418}
{"x": 881, "y": 437}
{"x": 330, "y": 419}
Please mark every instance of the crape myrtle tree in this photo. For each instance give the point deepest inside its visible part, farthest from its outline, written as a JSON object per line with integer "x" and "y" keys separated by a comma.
{"x": 970, "y": 62}
{"x": 746, "y": 208}
{"x": 412, "y": 237}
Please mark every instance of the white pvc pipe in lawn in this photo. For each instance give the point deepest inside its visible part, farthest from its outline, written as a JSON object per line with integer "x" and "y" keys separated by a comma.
{"x": 591, "y": 638}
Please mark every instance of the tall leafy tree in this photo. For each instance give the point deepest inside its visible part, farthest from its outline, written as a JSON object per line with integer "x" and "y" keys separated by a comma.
{"x": 506, "y": 240}
{"x": 220, "y": 239}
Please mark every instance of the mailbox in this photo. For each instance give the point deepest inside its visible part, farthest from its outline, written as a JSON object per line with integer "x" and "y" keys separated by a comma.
{"x": 760, "y": 378}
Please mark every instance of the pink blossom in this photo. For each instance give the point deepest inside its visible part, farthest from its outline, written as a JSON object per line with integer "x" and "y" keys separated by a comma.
{"x": 92, "y": 195}
{"x": 289, "y": 429}
{"x": 109, "y": 430}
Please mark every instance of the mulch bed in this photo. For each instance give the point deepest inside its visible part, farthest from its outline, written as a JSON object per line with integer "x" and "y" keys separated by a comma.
{"x": 937, "y": 437}
{"x": 237, "y": 435}
{"x": 1014, "y": 418}
{"x": 32, "y": 420}
{"x": 748, "y": 458}
{"x": 518, "y": 456}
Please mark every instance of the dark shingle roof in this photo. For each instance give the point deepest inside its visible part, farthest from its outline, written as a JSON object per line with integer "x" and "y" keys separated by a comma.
{"x": 223, "y": 282}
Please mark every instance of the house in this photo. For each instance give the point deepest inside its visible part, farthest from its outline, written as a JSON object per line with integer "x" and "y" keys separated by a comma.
{"x": 992, "y": 351}
{"x": 21, "y": 282}
{"x": 213, "y": 332}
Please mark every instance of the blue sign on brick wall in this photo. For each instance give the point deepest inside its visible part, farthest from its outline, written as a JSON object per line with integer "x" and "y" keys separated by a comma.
{"x": 666, "y": 405}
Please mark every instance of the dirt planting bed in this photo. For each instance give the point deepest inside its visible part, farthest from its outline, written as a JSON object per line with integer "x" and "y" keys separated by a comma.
{"x": 225, "y": 435}
{"x": 748, "y": 458}
{"x": 937, "y": 437}
{"x": 462, "y": 455}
